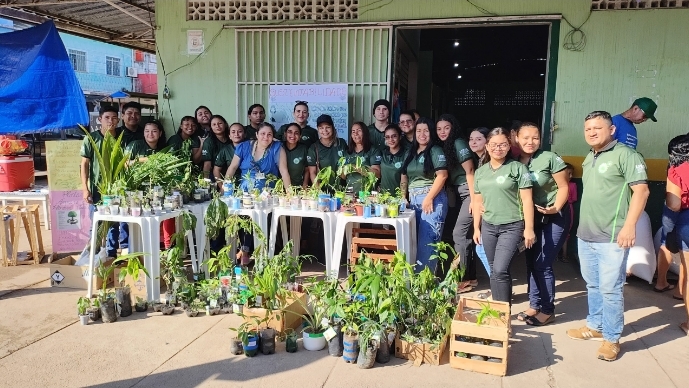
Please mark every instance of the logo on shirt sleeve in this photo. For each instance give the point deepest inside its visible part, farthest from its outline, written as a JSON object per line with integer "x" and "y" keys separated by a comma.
{"x": 463, "y": 152}
{"x": 204, "y": 152}
{"x": 640, "y": 168}
{"x": 378, "y": 158}
{"x": 441, "y": 158}
{"x": 308, "y": 158}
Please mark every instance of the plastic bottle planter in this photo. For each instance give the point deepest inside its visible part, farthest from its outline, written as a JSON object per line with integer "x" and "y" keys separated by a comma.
{"x": 393, "y": 211}
{"x": 323, "y": 202}
{"x": 282, "y": 202}
{"x": 124, "y": 301}
{"x": 367, "y": 355}
{"x": 84, "y": 319}
{"x": 313, "y": 341}
{"x": 291, "y": 343}
{"x": 102, "y": 209}
{"x": 236, "y": 203}
{"x": 367, "y": 211}
{"x": 247, "y": 201}
{"x": 236, "y": 346}
{"x": 251, "y": 345}
{"x": 350, "y": 348}
{"x": 334, "y": 204}
{"x": 107, "y": 310}
{"x": 268, "y": 341}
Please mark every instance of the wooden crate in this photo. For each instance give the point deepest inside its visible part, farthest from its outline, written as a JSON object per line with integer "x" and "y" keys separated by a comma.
{"x": 289, "y": 318}
{"x": 494, "y": 330}
{"x": 420, "y": 352}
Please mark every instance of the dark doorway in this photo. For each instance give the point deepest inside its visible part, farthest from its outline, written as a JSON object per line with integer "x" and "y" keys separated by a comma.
{"x": 485, "y": 76}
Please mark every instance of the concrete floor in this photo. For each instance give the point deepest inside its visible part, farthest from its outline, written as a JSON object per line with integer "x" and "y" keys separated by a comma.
{"x": 43, "y": 344}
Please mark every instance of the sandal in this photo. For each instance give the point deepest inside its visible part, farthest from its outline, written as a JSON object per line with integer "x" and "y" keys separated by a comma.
{"x": 523, "y": 316}
{"x": 464, "y": 287}
{"x": 533, "y": 321}
{"x": 684, "y": 328}
{"x": 667, "y": 288}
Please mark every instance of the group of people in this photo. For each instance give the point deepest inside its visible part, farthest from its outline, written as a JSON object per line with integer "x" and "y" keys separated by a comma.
{"x": 491, "y": 193}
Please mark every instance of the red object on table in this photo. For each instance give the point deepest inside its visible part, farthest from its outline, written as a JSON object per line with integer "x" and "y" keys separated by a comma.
{"x": 16, "y": 173}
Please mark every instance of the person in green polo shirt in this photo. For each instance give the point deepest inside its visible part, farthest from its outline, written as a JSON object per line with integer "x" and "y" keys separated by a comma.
{"x": 187, "y": 131}
{"x": 154, "y": 141}
{"x": 614, "y": 195}
{"x": 550, "y": 192}
{"x": 296, "y": 155}
{"x": 131, "y": 120}
{"x": 90, "y": 171}
{"x": 392, "y": 159}
{"x": 407, "y": 123}
{"x": 327, "y": 151}
{"x": 424, "y": 173}
{"x": 257, "y": 115}
{"x": 502, "y": 186}
{"x": 381, "y": 113}
{"x": 226, "y": 154}
{"x": 360, "y": 157}
{"x": 301, "y": 117}
{"x": 219, "y": 139}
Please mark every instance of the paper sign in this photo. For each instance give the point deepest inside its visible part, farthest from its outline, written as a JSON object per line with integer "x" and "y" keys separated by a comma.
{"x": 195, "y": 44}
{"x": 64, "y": 164}
{"x": 330, "y": 99}
{"x": 329, "y": 334}
{"x": 69, "y": 221}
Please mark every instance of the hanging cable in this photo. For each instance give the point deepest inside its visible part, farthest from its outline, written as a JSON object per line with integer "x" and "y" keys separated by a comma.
{"x": 575, "y": 39}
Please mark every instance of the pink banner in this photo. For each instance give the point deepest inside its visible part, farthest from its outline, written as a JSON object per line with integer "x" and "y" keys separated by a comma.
{"x": 69, "y": 221}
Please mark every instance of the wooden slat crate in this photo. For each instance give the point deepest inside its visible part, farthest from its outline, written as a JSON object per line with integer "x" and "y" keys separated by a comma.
{"x": 465, "y": 334}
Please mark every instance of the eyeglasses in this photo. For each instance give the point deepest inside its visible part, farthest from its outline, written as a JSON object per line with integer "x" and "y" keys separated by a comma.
{"x": 406, "y": 121}
{"x": 502, "y": 146}
{"x": 391, "y": 137}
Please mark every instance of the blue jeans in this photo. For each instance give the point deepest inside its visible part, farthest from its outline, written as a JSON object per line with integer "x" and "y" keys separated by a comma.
{"x": 604, "y": 267}
{"x": 116, "y": 233}
{"x": 540, "y": 257}
{"x": 429, "y": 227}
{"x": 481, "y": 253}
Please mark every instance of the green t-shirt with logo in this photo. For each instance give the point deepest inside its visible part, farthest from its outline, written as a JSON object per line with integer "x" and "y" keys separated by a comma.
{"x": 391, "y": 169}
{"x": 326, "y": 156}
{"x": 406, "y": 143}
{"x": 368, "y": 158}
{"x": 500, "y": 191}
{"x": 88, "y": 152}
{"x": 175, "y": 142}
{"x": 377, "y": 137}
{"x": 296, "y": 163}
{"x": 542, "y": 166}
{"x": 607, "y": 194}
{"x": 224, "y": 159}
{"x": 415, "y": 174}
{"x": 140, "y": 148}
{"x": 308, "y": 135}
{"x": 211, "y": 149}
{"x": 458, "y": 176}
{"x": 128, "y": 136}
{"x": 249, "y": 132}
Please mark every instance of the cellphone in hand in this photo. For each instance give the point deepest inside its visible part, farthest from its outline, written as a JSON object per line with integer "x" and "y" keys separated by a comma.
{"x": 521, "y": 246}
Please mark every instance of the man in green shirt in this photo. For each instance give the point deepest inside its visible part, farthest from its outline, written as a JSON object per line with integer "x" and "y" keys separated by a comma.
{"x": 614, "y": 195}
{"x": 90, "y": 170}
{"x": 381, "y": 113}
{"x": 131, "y": 118}
{"x": 407, "y": 123}
{"x": 301, "y": 116}
{"x": 257, "y": 115}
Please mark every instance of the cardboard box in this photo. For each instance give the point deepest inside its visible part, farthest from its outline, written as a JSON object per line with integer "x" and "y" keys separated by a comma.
{"x": 63, "y": 273}
{"x": 138, "y": 285}
{"x": 492, "y": 330}
{"x": 289, "y": 318}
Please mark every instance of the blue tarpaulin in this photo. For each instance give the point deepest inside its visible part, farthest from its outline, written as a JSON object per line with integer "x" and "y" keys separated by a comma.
{"x": 39, "y": 91}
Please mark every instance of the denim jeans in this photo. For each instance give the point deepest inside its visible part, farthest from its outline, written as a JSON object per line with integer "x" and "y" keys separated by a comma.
{"x": 118, "y": 237}
{"x": 500, "y": 243}
{"x": 481, "y": 254}
{"x": 429, "y": 227}
{"x": 463, "y": 233}
{"x": 604, "y": 267}
{"x": 540, "y": 257}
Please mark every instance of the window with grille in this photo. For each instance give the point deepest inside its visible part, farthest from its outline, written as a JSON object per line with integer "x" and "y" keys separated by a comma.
{"x": 78, "y": 59}
{"x": 112, "y": 66}
{"x": 602, "y": 5}
{"x": 272, "y": 10}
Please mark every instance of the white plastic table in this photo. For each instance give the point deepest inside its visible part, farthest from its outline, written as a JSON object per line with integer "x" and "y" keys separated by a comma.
{"x": 38, "y": 195}
{"x": 279, "y": 214}
{"x": 405, "y": 233}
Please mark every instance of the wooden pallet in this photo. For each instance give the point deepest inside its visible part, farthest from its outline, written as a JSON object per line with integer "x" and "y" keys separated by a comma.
{"x": 369, "y": 243}
{"x": 32, "y": 227}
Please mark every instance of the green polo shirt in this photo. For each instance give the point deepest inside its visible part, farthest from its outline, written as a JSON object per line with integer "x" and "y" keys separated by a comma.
{"x": 415, "y": 174}
{"x": 224, "y": 159}
{"x": 211, "y": 149}
{"x": 368, "y": 158}
{"x": 500, "y": 191}
{"x": 326, "y": 156}
{"x": 377, "y": 137}
{"x": 88, "y": 152}
{"x": 406, "y": 143}
{"x": 129, "y": 136}
{"x": 140, "y": 148}
{"x": 391, "y": 169}
{"x": 296, "y": 163}
{"x": 308, "y": 135}
{"x": 542, "y": 166}
{"x": 458, "y": 176}
{"x": 175, "y": 142}
{"x": 249, "y": 132}
{"x": 605, "y": 200}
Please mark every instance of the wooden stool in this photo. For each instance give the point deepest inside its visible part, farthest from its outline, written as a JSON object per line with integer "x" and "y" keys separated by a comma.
{"x": 32, "y": 226}
{"x": 379, "y": 243}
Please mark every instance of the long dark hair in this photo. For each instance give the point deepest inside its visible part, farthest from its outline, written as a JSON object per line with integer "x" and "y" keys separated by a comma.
{"x": 495, "y": 132}
{"x": 678, "y": 148}
{"x": 214, "y": 138}
{"x": 365, "y": 139}
{"x": 428, "y": 162}
{"x": 193, "y": 121}
{"x": 290, "y": 125}
{"x": 161, "y": 140}
{"x": 449, "y": 144}
{"x": 200, "y": 131}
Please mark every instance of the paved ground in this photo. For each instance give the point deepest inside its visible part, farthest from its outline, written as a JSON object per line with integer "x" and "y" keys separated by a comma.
{"x": 42, "y": 344}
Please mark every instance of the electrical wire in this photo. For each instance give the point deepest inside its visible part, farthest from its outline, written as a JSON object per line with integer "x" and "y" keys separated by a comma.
{"x": 575, "y": 39}
{"x": 482, "y": 10}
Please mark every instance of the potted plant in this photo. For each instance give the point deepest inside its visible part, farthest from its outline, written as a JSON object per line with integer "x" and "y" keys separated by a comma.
{"x": 132, "y": 270}
{"x": 193, "y": 308}
{"x": 291, "y": 340}
{"x": 94, "y": 310}
{"x": 167, "y": 308}
{"x": 141, "y": 305}
{"x": 186, "y": 294}
{"x": 247, "y": 333}
{"x": 83, "y": 305}
{"x": 369, "y": 340}
{"x": 106, "y": 299}
{"x": 209, "y": 294}
{"x": 313, "y": 337}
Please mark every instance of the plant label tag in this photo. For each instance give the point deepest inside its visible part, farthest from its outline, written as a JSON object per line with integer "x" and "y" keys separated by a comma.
{"x": 214, "y": 303}
{"x": 260, "y": 175}
{"x": 329, "y": 334}
{"x": 251, "y": 344}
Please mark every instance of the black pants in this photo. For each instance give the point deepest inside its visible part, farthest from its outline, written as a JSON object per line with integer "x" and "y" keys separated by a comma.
{"x": 463, "y": 232}
{"x": 501, "y": 245}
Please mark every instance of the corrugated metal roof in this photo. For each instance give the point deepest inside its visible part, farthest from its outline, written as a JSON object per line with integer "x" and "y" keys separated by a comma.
{"x": 129, "y": 23}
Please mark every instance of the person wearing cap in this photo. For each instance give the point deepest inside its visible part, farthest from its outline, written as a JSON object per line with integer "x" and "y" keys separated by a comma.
{"x": 381, "y": 112}
{"x": 641, "y": 110}
{"x": 328, "y": 150}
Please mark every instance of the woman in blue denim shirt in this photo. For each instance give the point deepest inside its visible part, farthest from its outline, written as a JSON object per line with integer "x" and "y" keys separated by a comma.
{"x": 423, "y": 176}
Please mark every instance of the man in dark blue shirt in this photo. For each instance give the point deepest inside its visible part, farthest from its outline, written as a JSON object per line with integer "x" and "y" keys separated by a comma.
{"x": 641, "y": 110}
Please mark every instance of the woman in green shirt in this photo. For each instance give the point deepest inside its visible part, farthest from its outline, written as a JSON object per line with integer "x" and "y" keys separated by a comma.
{"x": 360, "y": 156}
{"x": 219, "y": 139}
{"x": 392, "y": 159}
{"x": 187, "y": 131}
{"x": 307, "y": 135}
{"x": 460, "y": 164}
{"x": 423, "y": 176}
{"x": 550, "y": 193}
{"x": 502, "y": 188}
{"x": 296, "y": 155}
{"x": 327, "y": 151}
{"x": 154, "y": 141}
{"x": 226, "y": 154}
